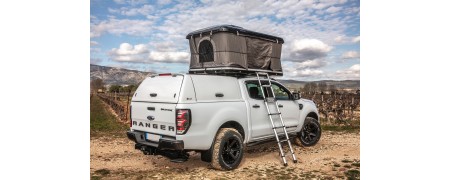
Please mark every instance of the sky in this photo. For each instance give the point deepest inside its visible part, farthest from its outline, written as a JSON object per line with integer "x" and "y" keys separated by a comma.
{"x": 321, "y": 37}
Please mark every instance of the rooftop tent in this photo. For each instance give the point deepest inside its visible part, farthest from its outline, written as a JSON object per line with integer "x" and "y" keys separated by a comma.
{"x": 232, "y": 48}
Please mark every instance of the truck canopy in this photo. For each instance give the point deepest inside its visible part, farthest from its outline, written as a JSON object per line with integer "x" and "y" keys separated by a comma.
{"x": 159, "y": 89}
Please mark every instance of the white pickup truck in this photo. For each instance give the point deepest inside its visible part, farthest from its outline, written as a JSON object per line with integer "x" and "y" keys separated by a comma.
{"x": 172, "y": 114}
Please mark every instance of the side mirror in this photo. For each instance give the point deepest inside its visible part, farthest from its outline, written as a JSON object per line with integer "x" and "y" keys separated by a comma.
{"x": 296, "y": 95}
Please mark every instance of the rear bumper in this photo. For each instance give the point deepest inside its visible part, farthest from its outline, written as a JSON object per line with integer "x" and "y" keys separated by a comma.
{"x": 163, "y": 144}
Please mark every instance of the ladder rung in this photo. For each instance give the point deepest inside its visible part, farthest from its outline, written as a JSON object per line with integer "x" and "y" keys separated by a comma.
{"x": 266, "y": 85}
{"x": 271, "y": 114}
{"x": 284, "y": 140}
{"x": 260, "y": 73}
{"x": 278, "y": 127}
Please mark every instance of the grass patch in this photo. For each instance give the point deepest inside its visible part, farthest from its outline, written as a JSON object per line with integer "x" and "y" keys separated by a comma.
{"x": 340, "y": 128}
{"x": 346, "y": 161}
{"x": 356, "y": 164}
{"x": 103, "y": 172}
{"x": 352, "y": 174}
{"x": 102, "y": 120}
{"x": 96, "y": 177}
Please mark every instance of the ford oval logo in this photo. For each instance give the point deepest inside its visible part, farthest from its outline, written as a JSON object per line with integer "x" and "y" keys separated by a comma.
{"x": 151, "y": 118}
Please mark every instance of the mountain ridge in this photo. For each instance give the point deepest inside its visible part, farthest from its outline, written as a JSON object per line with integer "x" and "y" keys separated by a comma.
{"x": 122, "y": 76}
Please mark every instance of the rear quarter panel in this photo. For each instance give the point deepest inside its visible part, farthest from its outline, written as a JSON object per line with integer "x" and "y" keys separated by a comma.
{"x": 207, "y": 119}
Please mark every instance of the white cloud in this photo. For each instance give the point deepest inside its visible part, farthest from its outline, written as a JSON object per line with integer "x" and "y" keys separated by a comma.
{"x": 310, "y": 72}
{"x": 333, "y": 9}
{"x": 120, "y": 1}
{"x": 130, "y": 53}
{"x": 128, "y": 49}
{"x": 295, "y": 73}
{"x": 141, "y": 53}
{"x": 350, "y": 73}
{"x": 131, "y": 2}
{"x": 308, "y": 49}
{"x": 170, "y": 57}
{"x": 311, "y": 64}
{"x": 308, "y": 68}
{"x": 122, "y": 26}
{"x": 342, "y": 39}
{"x": 126, "y": 11}
{"x": 164, "y": 2}
{"x": 355, "y": 39}
{"x": 94, "y": 43}
{"x": 350, "y": 55}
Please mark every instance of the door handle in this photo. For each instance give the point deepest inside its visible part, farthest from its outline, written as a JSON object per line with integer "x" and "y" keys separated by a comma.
{"x": 255, "y": 106}
{"x": 280, "y": 105}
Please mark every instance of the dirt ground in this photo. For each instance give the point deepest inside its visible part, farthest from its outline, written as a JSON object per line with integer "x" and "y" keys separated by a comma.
{"x": 336, "y": 156}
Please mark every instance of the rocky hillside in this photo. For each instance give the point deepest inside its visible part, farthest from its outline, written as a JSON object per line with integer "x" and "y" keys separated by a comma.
{"x": 119, "y": 76}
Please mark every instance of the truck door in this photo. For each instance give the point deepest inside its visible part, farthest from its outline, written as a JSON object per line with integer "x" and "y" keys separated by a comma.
{"x": 261, "y": 126}
{"x": 288, "y": 107}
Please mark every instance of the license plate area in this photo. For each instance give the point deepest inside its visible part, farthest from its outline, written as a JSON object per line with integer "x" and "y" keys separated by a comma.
{"x": 152, "y": 137}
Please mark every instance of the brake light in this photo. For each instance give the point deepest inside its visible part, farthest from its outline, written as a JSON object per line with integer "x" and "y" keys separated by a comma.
{"x": 165, "y": 74}
{"x": 183, "y": 120}
{"x": 131, "y": 121}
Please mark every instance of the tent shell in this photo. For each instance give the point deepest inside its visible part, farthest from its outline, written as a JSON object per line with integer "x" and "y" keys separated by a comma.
{"x": 234, "y": 50}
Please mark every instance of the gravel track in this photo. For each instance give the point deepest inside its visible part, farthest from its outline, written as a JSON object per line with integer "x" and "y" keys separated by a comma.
{"x": 336, "y": 156}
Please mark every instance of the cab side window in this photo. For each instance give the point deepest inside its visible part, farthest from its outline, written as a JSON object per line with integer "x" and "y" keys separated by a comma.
{"x": 254, "y": 91}
{"x": 280, "y": 92}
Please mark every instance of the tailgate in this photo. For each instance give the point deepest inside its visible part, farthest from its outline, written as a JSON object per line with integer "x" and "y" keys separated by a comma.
{"x": 156, "y": 118}
{"x": 153, "y": 104}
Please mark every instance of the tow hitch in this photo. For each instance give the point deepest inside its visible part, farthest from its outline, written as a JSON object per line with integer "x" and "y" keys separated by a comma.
{"x": 173, "y": 155}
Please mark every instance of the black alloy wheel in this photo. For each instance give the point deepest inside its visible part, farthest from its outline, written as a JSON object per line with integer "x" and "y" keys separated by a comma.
{"x": 310, "y": 133}
{"x": 227, "y": 149}
{"x": 231, "y": 151}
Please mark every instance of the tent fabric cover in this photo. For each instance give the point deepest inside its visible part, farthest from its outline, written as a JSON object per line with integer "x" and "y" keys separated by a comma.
{"x": 237, "y": 48}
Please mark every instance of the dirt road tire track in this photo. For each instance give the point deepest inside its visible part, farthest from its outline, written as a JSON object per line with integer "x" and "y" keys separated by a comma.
{"x": 333, "y": 157}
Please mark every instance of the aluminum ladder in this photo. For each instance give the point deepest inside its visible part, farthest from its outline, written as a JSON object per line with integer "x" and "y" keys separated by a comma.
{"x": 270, "y": 114}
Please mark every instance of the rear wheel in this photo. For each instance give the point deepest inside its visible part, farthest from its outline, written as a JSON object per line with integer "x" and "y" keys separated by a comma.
{"x": 310, "y": 133}
{"x": 227, "y": 150}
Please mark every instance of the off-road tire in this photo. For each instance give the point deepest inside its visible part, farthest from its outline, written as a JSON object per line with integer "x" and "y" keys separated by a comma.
{"x": 313, "y": 125}
{"x": 219, "y": 149}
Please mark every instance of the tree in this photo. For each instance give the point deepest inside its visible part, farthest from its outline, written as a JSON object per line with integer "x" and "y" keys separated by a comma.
{"x": 129, "y": 88}
{"x": 307, "y": 87}
{"x": 115, "y": 88}
{"x": 314, "y": 87}
{"x": 332, "y": 88}
{"x": 97, "y": 84}
{"x": 322, "y": 86}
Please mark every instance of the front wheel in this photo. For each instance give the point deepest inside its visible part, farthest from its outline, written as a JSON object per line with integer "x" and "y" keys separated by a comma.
{"x": 228, "y": 149}
{"x": 310, "y": 133}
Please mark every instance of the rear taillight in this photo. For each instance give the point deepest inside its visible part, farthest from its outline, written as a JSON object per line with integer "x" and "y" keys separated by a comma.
{"x": 165, "y": 74}
{"x": 131, "y": 121}
{"x": 183, "y": 120}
